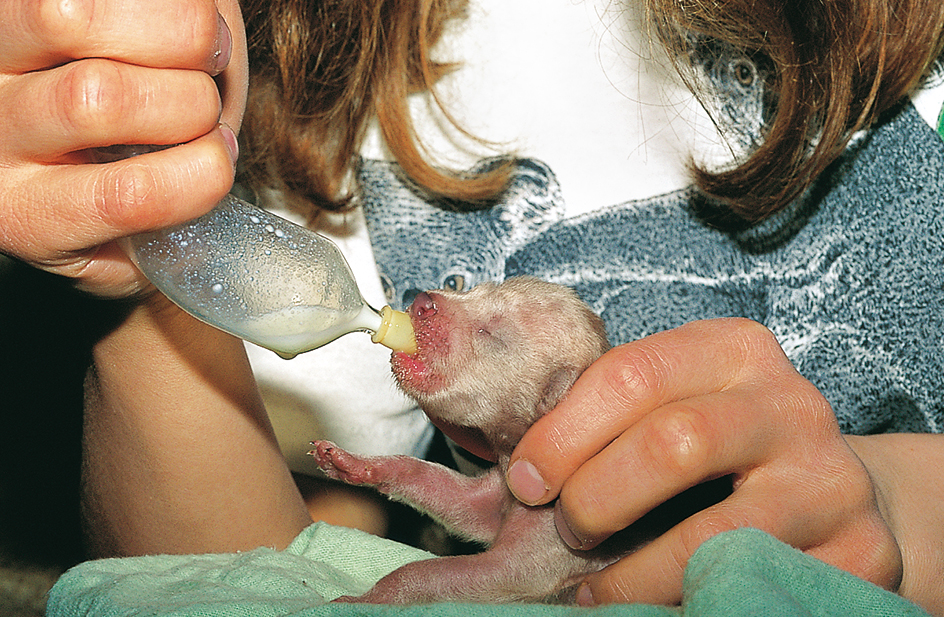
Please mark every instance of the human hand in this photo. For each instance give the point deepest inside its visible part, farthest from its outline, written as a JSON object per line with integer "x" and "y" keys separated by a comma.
{"x": 709, "y": 400}
{"x": 80, "y": 76}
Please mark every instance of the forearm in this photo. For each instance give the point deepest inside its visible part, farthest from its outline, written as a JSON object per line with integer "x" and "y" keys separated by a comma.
{"x": 179, "y": 455}
{"x": 908, "y": 471}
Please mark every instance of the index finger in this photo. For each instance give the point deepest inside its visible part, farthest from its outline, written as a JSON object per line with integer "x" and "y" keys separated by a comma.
{"x": 627, "y": 383}
{"x": 75, "y": 209}
{"x": 39, "y": 34}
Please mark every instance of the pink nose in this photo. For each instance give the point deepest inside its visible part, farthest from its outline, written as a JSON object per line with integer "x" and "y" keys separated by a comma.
{"x": 423, "y": 305}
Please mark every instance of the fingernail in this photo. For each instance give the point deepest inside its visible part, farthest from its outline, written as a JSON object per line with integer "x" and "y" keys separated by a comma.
{"x": 526, "y": 483}
{"x": 564, "y": 530}
{"x": 585, "y": 595}
{"x": 224, "y": 46}
{"x": 231, "y": 142}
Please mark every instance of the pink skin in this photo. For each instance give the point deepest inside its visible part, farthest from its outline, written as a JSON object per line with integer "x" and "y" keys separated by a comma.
{"x": 433, "y": 342}
{"x": 489, "y": 363}
{"x": 414, "y": 375}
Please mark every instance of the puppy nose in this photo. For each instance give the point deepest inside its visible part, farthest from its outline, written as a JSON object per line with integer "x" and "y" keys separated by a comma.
{"x": 423, "y": 305}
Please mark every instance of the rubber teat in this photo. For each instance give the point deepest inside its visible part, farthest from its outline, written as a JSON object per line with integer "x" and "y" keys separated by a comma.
{"x": 396, "y": 331}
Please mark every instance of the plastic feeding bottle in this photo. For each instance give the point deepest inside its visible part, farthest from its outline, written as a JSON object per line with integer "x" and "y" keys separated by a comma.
{"x": 263, "y": 279}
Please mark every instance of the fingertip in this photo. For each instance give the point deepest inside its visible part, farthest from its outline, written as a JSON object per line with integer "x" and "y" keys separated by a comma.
{"x": 585, "y": 596}
{"x": 224, "y": 46}
{"x": 571, "y": 539}
{"x": 540, "y": 465}
{"x": 564, "y": 531}
{"x": 596, "y": 590}
{"x": 526, "y": 483}
{"x": 230, "y": 141}
{"x": 162, "y": 188}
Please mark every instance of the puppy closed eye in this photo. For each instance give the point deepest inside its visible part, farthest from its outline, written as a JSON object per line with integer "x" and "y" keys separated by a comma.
{"x": 496, "y": 334}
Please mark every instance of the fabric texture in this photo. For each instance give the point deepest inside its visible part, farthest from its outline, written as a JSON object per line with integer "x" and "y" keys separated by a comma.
{"x": 740, "y": 573}
{"x": 847, "y": 278}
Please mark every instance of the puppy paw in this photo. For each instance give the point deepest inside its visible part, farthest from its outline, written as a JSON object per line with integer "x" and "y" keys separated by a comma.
{"x": 339, "y": 464}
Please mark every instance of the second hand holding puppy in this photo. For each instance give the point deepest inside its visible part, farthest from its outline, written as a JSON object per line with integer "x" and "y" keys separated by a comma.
{"x": 711, "y": 399}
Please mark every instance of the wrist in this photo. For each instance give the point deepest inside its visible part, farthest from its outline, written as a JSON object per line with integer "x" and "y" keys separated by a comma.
{"x": 157, "y": 334}
{"x": 909, "y": 490}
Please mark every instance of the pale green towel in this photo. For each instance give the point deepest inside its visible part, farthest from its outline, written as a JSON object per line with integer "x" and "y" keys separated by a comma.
{"x": 739, "y": 573}
{"x": 940, "y": 123}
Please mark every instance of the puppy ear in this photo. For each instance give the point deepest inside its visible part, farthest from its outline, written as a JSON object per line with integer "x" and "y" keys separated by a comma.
{"x": 556, "y": 387}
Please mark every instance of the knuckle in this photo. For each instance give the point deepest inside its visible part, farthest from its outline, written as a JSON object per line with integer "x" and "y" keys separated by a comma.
{"x": 750, "y": 330}
{"x": 701, "y": 528}
{"x": 204, "y": 33}
{"x": 806, "y": 407}
{"x": 757, "y": 340}
{"x": 860, "y": 488}
{"x": 56, "y": 20}
{"x": 843, "y": 481}
{"x": 127, "y": 191}
{"x": 92, "y": 95}
{"x": 679, "y": 441}
{"x": 878, "y": 559}
{"x": 811, "y": 399}
{"x": 16, "y": 234}
{"x": 866, "y": 549}
{"x": 635, "y": 376}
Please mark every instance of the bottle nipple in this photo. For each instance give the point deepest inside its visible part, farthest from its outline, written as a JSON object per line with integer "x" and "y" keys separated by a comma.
{"x": 395, "y": 331}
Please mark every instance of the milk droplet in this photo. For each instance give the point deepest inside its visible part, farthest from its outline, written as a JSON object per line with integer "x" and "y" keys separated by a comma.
{"x": 217, "y": 288}
{"x": 254, "y": 219}
{"x": 269, "y": 228}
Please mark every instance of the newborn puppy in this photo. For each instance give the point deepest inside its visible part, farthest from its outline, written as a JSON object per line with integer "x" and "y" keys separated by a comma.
{"x": 489, "y": 363}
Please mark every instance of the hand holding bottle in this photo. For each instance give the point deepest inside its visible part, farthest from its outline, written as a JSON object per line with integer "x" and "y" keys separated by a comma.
{"x": 80, "y": 76}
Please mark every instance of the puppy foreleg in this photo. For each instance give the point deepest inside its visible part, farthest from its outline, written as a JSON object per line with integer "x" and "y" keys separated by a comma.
{"x": 469, "y": 507}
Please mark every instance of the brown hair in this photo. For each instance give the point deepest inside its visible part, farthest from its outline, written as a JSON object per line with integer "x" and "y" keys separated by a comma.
{"x": 837, "y": 66}
{"x": 320, "y": 69}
